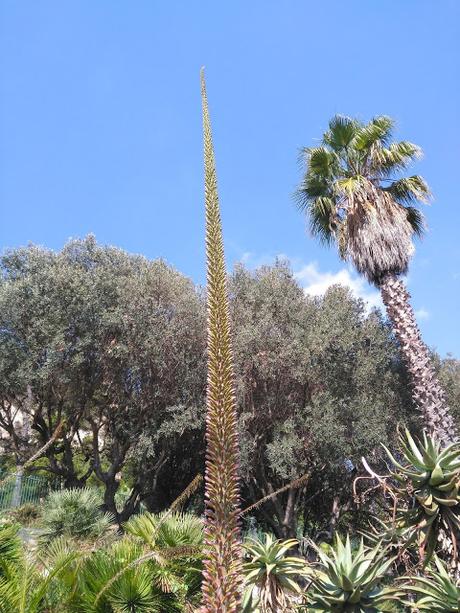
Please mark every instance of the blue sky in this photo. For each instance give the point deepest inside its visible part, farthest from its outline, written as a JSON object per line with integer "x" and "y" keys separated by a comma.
{"x": 101, "y": 128}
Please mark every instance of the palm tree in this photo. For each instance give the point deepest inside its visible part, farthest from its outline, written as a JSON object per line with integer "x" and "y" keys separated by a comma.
{"x": 354, "y": 194}
{"x": 222, "y": 551}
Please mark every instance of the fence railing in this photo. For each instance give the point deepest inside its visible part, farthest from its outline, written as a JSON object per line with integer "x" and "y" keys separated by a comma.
{"x": 17, "y": 489}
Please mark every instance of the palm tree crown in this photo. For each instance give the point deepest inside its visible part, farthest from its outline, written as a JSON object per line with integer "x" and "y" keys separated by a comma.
{"x": 353, "y": 193}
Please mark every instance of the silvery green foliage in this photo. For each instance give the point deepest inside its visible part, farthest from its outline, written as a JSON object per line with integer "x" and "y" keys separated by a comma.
{"x": 113, "y": 345}
{"x": 319, "y": 383}
{"x": 75, "y": 513}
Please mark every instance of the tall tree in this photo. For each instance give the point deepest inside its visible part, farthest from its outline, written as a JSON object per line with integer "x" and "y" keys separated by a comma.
{"x": 319, "y": 384}
{"x": 112, "y": 347}
{"x": 222, "y": 562}
{"x": 354, "y": 194}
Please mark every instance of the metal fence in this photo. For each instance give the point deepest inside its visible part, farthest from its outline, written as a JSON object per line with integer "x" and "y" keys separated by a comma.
{"x": 17, "y": 489}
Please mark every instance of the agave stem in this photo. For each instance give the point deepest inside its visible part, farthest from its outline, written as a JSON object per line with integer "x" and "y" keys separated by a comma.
{"x": 223, "y": 554}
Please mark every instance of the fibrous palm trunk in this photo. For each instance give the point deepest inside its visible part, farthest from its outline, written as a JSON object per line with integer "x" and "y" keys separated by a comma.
{"x": 427, "y": 392}
{"x": 222, "y": 552}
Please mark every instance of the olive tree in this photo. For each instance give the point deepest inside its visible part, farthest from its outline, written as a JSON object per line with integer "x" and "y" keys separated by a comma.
{"x": 319, "y": 384}
{"x": 109, "y": 348}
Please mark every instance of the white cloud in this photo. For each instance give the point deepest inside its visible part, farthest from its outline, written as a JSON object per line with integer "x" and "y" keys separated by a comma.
{"x": 422, "y": 314}
{"x": 315, "y": 283}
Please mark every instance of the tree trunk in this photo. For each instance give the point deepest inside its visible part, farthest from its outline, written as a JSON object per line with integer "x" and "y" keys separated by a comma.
{"x": 427, "y": 392}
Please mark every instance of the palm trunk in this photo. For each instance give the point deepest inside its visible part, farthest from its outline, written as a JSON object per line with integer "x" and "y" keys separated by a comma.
{"x": 427, "y": 392}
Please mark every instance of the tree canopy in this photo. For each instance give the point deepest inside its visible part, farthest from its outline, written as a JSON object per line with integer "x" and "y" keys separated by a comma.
{"x": 111, "y": 346}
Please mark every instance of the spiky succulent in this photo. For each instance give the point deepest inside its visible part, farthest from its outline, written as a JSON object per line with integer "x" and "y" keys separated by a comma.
{"x": 438, "y": 590}
{"x": 345, "y": 580}
{"x": 270, "y": 575}
{"x": 222, "y": 557}
{"x": 427, "y": 490}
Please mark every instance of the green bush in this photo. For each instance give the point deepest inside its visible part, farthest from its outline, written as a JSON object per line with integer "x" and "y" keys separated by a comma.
{"x": 75, "y": 513}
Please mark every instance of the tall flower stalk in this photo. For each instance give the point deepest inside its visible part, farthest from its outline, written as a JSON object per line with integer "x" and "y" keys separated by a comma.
{"x": 222, "y": 561}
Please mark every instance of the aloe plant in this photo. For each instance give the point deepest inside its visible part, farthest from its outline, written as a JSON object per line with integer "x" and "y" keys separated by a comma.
{"x": 351, "y": 581}
{"x": 222, "y": 559}
{"x": 439, "y": 592}
{"x": 428, "y": 478}
{"x": 271, "y": 575}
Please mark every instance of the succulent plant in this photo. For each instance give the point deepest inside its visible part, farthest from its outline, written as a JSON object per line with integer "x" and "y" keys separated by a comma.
{"x": 439, "y": 592}
{"x": 345, "y": 580}
{"x": 428, "y": 482}
{"x": 270, "y": 575}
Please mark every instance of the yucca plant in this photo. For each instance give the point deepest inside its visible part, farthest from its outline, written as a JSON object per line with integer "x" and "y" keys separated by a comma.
{"x": 271, "y": 576}
{"x": 222, "y": 552}
{"x": 426, "y": 485}
{"x": 345, "y": 580}
{"x": 438, "y": 590}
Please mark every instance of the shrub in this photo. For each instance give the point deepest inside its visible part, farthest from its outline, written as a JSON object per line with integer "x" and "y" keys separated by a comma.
{"x": 75, "y": 513}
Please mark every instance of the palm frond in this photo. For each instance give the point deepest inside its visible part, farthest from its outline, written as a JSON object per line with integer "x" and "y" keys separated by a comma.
{"x": 395, "y": 157}
{"x": 341, "y": 132}
{"x": 378, "y": 130}
{"x": 321, "y": 214}
{"x": 223, "y": 555}
{"x": 315, "y": 198}
{"x": 321, "y": 161}
{"x": 312, "y": 187}
{"x": 416, "y": 220}
{"x": 409, "y": 190}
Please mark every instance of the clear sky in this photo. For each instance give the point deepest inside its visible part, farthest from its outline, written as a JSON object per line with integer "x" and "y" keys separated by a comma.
{"x": 100, "y": 126}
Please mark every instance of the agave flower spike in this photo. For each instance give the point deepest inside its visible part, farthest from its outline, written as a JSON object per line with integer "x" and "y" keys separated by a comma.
{"x": 222, "y": 576}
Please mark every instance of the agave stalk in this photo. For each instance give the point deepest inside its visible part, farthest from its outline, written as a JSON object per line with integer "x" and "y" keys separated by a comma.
{"x": 222, "y": 578}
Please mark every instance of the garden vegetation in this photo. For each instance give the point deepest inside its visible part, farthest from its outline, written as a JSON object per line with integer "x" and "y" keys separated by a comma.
{"x": 243, "y": 447}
